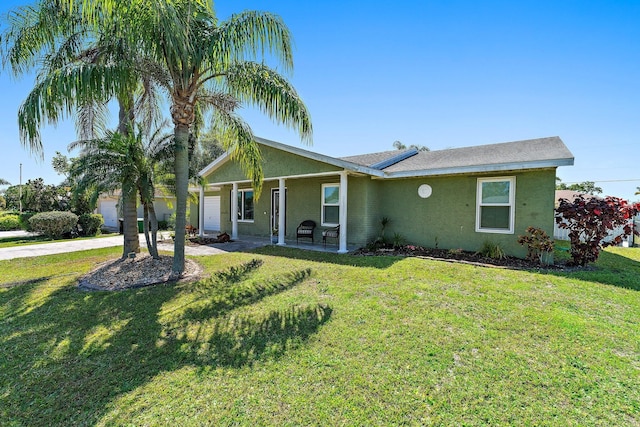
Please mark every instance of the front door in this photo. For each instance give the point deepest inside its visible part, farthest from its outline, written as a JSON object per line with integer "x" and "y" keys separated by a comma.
{"x": 275, "y": 210}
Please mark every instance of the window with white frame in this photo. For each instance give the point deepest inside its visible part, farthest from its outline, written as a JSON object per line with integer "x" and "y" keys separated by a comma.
{"x": 330, "y": 204}
{"x": 245, "y": 205}
{"x": 495, "y": 205}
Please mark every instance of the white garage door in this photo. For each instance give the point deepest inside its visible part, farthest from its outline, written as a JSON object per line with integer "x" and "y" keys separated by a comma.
{"x": 212, "y": 213}
{"x": 109, "y": 212}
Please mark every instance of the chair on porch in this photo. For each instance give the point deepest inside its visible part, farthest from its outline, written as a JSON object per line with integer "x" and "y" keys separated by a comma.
{"x": 333, "y": 233}
{"x": 305, "y": 230}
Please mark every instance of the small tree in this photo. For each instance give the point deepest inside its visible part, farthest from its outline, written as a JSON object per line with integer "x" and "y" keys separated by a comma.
{"x": 590, "y": 220}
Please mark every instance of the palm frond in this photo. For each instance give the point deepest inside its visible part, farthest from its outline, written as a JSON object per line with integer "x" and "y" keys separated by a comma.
{"x": 241, "y": 145}
{"x": 258, "y": 85}
{"x": 250, "y": 35}
{"x": 91, "y": 119}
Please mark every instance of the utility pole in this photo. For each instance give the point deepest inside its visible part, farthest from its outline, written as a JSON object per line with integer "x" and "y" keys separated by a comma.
{"x": 20, "y": 189}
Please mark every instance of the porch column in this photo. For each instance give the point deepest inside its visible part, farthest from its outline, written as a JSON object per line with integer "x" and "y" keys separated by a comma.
{"x": 234, "y": 211}
{"x": 282, "y": 213}
{"x": 343, "y": 213}
{"x": 201, "y": 213}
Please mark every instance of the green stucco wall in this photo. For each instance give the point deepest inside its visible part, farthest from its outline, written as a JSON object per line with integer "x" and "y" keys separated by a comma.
{"x": 275, "y": 163}
{"x": 447, "y": 218}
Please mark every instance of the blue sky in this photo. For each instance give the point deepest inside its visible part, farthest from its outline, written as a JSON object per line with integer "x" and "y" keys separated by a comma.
{"x": 442, "y": 74}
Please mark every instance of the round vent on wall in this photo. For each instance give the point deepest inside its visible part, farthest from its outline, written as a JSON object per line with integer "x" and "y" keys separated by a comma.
{"x": 424, "y": 191}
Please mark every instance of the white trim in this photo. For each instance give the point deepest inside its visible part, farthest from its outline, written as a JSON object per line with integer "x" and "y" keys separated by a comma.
{"x": 234, "y": 211}
{"x": 498, "y": 167}
{"x": 344, "y": 179}
{"x": 282, "y": 196}
{"x": 511, "y": 204}
{"x": 201, "y": 213}
{"x": 323, "y": 204}
{"x": 277, "y": 178}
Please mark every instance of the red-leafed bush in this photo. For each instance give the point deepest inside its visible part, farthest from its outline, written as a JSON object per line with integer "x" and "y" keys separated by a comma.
{"x": 590, "y": 220}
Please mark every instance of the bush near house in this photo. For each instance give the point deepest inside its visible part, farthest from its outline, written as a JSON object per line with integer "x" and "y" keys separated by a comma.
{"x": 590, "y": 220}
{"x": 539, "y": 245}
{"x": 54, "y": 224}
{"x": 9, "y": 221}
{"x": 90, "y": 224}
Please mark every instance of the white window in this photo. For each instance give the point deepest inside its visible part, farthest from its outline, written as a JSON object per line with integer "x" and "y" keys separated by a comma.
{"x": 245, "y": 205}
{"x": 495, "y": 205}
{"x": 330, "y": 204}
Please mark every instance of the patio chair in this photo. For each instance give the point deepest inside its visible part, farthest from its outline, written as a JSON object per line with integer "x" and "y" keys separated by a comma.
{"x": 333, "y": 233}
{"x": 305, "y": 230}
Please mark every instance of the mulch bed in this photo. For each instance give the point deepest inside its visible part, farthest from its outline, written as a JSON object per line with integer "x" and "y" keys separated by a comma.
{"x": 460, "y": 256}
{"x": 126, "y": 273}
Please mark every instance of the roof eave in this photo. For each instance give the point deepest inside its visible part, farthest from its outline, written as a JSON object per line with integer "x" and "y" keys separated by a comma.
{"x": 354, "y": 167}
{"x": 499, "y": 167}
{"x": 320, "y": 157}
{"x": 214, "y": 165}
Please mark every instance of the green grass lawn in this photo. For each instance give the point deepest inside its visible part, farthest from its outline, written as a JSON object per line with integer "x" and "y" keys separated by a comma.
{"x": 286, "y": 337}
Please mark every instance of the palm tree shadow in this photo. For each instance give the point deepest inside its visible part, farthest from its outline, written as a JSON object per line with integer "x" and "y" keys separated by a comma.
{"x": 102, "y": 345}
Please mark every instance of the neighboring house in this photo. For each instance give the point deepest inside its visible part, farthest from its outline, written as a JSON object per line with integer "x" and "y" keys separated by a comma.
{"x": 107, "y": 206}
{"x": 455, "y": 198}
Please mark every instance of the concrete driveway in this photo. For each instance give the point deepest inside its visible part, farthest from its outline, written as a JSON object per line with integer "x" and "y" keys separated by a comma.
{"x": 75, "y": 245}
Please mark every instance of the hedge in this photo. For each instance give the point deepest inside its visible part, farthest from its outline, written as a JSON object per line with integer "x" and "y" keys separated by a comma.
{"x": 90, "y": 224}
{"x": 54, "y": 224}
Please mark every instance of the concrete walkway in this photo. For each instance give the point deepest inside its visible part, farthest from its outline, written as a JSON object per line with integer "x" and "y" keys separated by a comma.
{"x": 75, "y": 245}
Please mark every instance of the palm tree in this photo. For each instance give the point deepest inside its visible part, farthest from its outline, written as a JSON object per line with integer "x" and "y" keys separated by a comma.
{"x": 105, "y": 163}
{"x": 83, "y": 66}
{"x": 208, "y": 64}
{"x": 4, "y": 182}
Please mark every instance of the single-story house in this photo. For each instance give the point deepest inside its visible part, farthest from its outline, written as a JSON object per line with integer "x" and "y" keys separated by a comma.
{"x": 453, "y": 198}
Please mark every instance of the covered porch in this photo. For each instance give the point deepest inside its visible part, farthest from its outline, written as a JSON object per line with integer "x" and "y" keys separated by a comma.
{"x": 245, "y": 243}
{"x": 285, "y": 202}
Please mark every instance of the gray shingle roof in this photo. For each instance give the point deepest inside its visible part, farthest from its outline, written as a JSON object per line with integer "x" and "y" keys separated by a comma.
{"x": 373, "y": 158}
{"x": 519, "y": 152}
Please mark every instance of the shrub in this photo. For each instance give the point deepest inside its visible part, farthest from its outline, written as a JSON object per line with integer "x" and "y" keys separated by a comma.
{"x": 9, "y": 221}
{"x": 163, "y": 225}
{"x": 24, "y": 220}
{"x": 539, "y": 244}
{"x": 54, "y": 224}
{"x": 90, "y": 223}
{"x": 398, "y": 240}
{"x": 590, "y": 221}
{"x": 491, "y": 250}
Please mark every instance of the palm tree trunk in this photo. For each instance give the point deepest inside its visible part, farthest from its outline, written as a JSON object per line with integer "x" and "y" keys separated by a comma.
{"x": 181, "y": 168}
{"x": 130, "y": 216}
{"x": 151, "y": 230}
{"x": 153, "y": 223}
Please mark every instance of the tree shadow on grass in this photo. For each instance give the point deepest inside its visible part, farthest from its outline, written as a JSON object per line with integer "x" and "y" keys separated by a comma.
{"x": 25, "y": 282}
{"x": 381, "y": 262}
{"x": 71, "y": 353}
{"x": 610, "y": 269}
